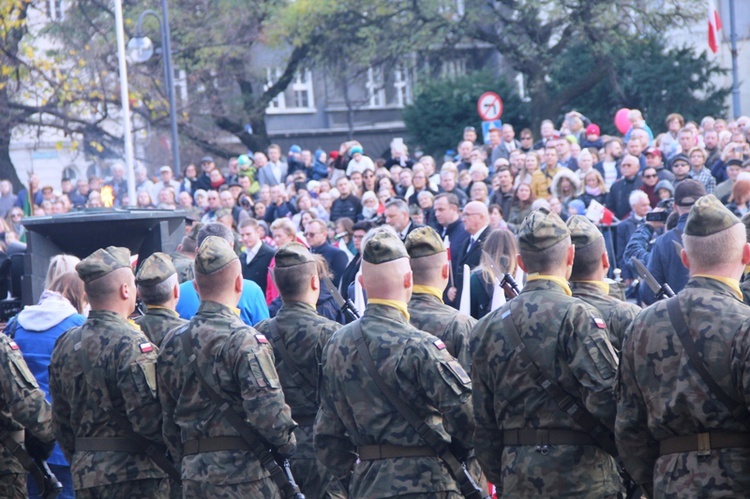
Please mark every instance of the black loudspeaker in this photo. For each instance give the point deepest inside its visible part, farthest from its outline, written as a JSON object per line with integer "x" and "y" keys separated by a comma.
{"x": 143, "y": 232}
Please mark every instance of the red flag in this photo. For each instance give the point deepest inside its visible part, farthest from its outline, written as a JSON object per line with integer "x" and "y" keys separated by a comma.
{"x": 714, "y": 26}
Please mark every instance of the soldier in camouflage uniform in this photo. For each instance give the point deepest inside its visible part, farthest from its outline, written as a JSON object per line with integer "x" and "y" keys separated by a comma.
{"x": 677, "y": 434}
{"x": 22, "y": 406}
{"x": 355, "y": 418}
{"x": 587, "y": 279}
{"x": 159, "y": 289}
{"x": 526, "y": 444}
{"x": 430, "y": 268}
{"x": 238, "y": 363}
{"x": 120, "y": 376}
{"x": 302, "y": 333}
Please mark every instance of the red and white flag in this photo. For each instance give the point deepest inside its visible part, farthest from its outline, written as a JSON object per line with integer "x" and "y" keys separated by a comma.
{"x": 714, "y": 26}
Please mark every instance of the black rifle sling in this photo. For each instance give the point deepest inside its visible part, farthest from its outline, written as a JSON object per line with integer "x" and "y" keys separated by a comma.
{"x": 157, "y": 453}
{"x": 430, "y": 436}
{"x": 307, "y": 385}
{"x": 253, "y": 440}
{"x": 19, "y": 452}
{"x": 738, "y": 410}
{"x": 587, "y": 421}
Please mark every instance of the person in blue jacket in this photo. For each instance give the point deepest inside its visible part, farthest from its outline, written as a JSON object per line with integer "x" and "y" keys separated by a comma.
{"x": 35, "y": 330}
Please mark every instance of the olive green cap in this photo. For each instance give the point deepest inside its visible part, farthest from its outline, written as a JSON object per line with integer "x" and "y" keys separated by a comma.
{"x": 540, "y": 230}
{"x": 103, "y": 261}
{"x": 423, "y": 241}
{"x": 213, "y": 255}
{"x": 583, "y": 232}
{"x": 292, "y": 254}
{"x": 708, "y": 216}
{"x": 384, "y": 247}
{"x": 155, "y": 269}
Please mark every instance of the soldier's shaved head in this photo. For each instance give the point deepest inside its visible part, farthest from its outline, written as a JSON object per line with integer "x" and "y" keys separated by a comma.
{"x": 388, "y": 281}
{"x": 106, "y": 293}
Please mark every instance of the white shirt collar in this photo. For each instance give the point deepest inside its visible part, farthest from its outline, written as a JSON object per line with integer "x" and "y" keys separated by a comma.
{"x": 251, "y": 252}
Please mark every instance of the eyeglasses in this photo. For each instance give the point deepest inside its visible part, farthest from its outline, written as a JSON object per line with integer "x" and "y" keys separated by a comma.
{"x": 650, "y": 176}
{"x": 311, "y": 234}
{"x": 466, "y": 215}
{"x": 526, "y": 138}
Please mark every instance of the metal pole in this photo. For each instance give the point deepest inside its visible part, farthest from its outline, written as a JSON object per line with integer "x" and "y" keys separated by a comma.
{"x": 735, "y": 71}
{"x": 125, "y": 96}
{"x": 167, "y": 53}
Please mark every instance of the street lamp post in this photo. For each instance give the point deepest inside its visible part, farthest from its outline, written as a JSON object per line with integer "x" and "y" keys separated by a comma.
{"x": 140, "y": 49}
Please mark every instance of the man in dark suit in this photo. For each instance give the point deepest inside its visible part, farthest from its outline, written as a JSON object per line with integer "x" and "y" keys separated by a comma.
{"x": 476, "y": 219}
{"x": 448, "y": 223}
{"x": 640, "y": 206}
{"x": 257, "y": 255}
{"x": 350, "y": 273}
{"x": 316, "y": 234}
{"x": 397, "y": 216}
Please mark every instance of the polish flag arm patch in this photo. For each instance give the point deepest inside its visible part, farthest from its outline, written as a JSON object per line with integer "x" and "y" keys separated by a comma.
{"x": 439, "y": 344}
{"x": 261, "y": 339}
{"x": 600, "y": 323}
{"x": 146, "y": 347}
{"x": 13, "y": 345}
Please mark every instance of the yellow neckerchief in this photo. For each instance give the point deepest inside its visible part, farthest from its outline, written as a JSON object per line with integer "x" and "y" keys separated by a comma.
{"x": 154, "y": 307}
{"x": 559, "y": 280}
{"x": 421, "y": 289}
{"x": 397, "y": 304}
{"x": 133, "y": 323}
{"x": 747, "y": 269}
{"x": 235, "y": 310}
{"x": 732, "y": 283}
{"x": 604, "y": 286}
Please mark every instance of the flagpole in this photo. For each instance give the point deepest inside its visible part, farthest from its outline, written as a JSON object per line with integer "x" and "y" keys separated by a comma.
{"x": 735, "y": 71}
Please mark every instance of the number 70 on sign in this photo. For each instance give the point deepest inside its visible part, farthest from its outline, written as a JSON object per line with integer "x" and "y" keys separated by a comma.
{"x": 490, "y": 106}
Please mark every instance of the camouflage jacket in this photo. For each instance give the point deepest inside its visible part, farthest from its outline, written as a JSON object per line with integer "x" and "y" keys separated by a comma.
{"x": 431, "y": 315}
{"x": 185, "y": 267}
{"x": 238, "y": 362}
{"x": 567, "y": 340}
{"x": 304, "y": 334}
{"x": 661, "y": 395}
{"x": 22, "y": 403}
{"x": 122, "y": 356}
{"x": 354, "y": 413}
{"x": 157, "y": 322}
{"x": 617, "y": 314}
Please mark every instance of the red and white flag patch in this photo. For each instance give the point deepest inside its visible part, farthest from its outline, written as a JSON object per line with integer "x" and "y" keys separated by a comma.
{"x": 261, "y": 339}
{"x": 439, "y": 344}
{"x": 146, "y": 347}
{"x": 13, "y": 345}
{"x": 600, "y": 323}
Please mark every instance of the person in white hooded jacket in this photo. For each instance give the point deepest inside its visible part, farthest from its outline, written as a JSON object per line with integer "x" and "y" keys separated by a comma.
{"x": 35, "y": 330}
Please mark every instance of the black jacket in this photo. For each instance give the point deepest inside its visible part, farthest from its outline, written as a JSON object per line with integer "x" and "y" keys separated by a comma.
{"x": 336, "y": 259}
{"x": 257, "y": 270}
{"x": 470, "y": 258}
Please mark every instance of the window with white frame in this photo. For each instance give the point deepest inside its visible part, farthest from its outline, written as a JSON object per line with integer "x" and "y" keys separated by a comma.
{"x": 402, "y": 86}
{"x": 272, "y": 76}
{"x": 54, "y": 10}
{"x": 375, "y": 88}
{"x": 298, "y": 97}
{"x": 302, "y": 88}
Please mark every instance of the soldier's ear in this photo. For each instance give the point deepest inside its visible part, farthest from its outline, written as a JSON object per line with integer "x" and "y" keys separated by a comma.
{"x": 314, "y": 282}
{"x": 238, "y": 283}
{"x": 605, "y": 261}
{"x": 746, "y": 254}
{"x": 176, "y": 291}
{"x": 408, "y": 280}
{"x": 446, "y": 270}
{"x": 520, "y": 263}
{"x": 684, "y": 258}
{"x": 571, "y": 255}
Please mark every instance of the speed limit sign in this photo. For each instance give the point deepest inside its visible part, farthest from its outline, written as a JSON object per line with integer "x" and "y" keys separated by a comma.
{"x": 490, "y": 106}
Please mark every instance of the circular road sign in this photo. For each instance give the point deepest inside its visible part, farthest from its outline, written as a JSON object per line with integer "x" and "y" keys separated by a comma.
{"x": 490, "y": 106}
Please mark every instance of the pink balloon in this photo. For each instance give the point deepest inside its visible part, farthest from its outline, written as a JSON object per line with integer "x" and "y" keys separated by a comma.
{"x": 621, "y": 120}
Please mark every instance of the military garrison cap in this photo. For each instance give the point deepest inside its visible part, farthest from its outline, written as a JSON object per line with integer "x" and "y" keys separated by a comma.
{"x": 155, "y": 269}
{"x": 708, "y": 216}
{"x": 103, "y": 261}
{"x": 292, "y": 254}
{"x": 384, "y": 247}
{"x": 423, "y": 241}
{"x": 582, "y": 231}
{"x": 213, "y": 255}
{"x": 541, "y": 229}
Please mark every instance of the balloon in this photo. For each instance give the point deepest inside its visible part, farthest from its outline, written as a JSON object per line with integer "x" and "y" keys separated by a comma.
{"x": 621, "y": 120}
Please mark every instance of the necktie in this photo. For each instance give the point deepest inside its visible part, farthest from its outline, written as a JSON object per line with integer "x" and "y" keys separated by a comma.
{"x": 471, "y": 245}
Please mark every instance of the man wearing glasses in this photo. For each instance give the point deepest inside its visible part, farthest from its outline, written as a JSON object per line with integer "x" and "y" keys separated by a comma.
{"x": 316, "y": 235}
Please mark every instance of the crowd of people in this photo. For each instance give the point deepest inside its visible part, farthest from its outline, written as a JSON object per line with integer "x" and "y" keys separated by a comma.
{"x": 408, "y": 243}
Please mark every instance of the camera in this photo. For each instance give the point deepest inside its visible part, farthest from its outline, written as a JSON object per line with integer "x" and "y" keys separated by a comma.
{"x": 667, "y": 204}
{"x": 657, "y": 216}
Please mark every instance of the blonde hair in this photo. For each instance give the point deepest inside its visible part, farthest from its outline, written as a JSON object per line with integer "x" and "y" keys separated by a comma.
{"x": 60, "y": 264}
